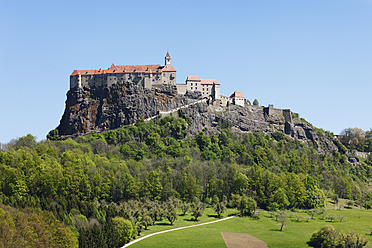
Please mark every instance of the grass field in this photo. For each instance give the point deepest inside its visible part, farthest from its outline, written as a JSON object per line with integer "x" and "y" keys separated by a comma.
{"x": 295, "y": 234}
{"x": 187, "y": 220}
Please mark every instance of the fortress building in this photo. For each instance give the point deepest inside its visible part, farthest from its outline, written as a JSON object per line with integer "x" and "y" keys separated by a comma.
{"x": 237, "y": 98}
{"x": 146, "y": 76}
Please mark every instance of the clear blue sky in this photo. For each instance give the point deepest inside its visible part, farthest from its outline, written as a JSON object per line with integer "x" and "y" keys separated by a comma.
{"x": 314, "y": 57}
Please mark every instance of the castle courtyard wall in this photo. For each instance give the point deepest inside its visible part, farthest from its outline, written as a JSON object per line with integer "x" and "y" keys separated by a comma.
{"x": 181, "y": 88}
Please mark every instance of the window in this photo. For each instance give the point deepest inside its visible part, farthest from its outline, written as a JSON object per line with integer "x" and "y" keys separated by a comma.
{"x": 207, "y": 89}
{"x": 196, "y": 88}
{"x": 203, "y": 89}
{"x": 191, "y": 87}
{"x": 196, "y": 84}
{"x": 191, "y": 84}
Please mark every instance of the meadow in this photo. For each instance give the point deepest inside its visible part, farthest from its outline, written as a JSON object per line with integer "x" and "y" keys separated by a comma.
{"x": 296, "y": 233}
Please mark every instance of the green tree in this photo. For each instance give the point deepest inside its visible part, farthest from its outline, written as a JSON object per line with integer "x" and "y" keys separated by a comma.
{"x": 198, "y": 209}
{"x": 171, "y": 214}
{"x": 220, "y": 208}
{"x": 255, "y": 102}
{"x": 122, "y": 229}
{"x": 281, "y": 199}
{"x": 241, "y": 183}
{"x": 203, "y": 141}
{"x": 185, "y": 207}
{"x": 247, "y": 206}
{"x": 152, "y": 185}
{"x": 282, "y": 218}
{"x": 53, "y": 135}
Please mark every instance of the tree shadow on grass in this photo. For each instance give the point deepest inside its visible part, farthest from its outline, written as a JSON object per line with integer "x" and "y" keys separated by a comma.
{"x": 191, "y": 219}
{"x": 213, "y": 215}
{"x": 275, "y": 230}
{"x": 163, "y": 224}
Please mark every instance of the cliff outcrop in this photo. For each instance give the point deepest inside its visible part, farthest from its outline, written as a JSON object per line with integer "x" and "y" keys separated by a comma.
{"x": 91, "y": 110}
{"x": 256, "y": 119}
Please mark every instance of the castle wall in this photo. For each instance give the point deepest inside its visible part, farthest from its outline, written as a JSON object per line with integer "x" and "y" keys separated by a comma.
{"x": 74, "y": 81}
{"x": 168, "y": 78}
{"x": 181, "y": 88}
{"x": 193, "y": 85}
{"x": 206, "y": 90}
{"x": 217, "y": 92}
{"x": 287, "y": 115}
{"x": 239, "y": 101}
{"x": 224, "y": 101}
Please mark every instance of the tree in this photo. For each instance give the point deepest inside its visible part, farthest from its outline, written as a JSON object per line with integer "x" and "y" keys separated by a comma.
{"x": 53, "y": 135}
{"x": 147, "y": 221}
{"x": 203, "y": 141}
{"x": 185, "y": 207}
{"x": 220, "y": 208}
{"x": 255, "y": 102}
{"x": 247, "y": 206}
{"x": 25, "y": 141}
{"x": 122, "y": 229}
{"x": 281, "y": 199}
{"x": 171, "y": 214}
{"x": 335, "y": 198}
{"x": 152, "y": 185}
{"x": 353, "y": 138}
{"x": 198, "y": 209}
{"x": 282, "y": 218}
{"x": 241, "y": 183}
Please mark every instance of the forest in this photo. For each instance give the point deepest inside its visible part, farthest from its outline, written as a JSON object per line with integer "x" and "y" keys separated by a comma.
{"x": 104, "y": 189}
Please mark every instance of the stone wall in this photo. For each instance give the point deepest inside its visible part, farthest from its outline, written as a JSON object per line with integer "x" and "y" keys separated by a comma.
{"x": 145, "y": 80}
{"x": 181, "y": 88}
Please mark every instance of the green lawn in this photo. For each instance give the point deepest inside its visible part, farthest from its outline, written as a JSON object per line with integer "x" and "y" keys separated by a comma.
{"x": 295, "y": 234}
{"x": 187, "y": 220}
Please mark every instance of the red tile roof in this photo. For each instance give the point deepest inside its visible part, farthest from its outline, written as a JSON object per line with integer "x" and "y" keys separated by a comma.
{"x": 134, "y": 68}
{"x": 237, "y": 94}
{"x": 209, "y": 81}
{"x": 192, "y": 78}
{"x": 87, "y": 72}
{"x": 168, "y": 68}
{"x": 127, "y": 69}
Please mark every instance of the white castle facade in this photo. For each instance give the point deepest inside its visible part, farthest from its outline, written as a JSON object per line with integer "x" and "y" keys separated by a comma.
{"x": 149, "y": 75}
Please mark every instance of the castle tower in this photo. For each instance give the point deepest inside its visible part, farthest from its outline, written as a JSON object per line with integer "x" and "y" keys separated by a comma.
{"x": 79, "y": 80}
{"x": 167, "y": 59}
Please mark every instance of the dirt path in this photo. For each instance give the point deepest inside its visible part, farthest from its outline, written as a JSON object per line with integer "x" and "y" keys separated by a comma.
{"x": 242, "y": 240}
{"x": 178, "y": 228}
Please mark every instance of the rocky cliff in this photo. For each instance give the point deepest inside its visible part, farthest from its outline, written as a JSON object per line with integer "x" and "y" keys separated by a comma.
{"x": 256, "y": 119}
{"x": 90, "y": 110}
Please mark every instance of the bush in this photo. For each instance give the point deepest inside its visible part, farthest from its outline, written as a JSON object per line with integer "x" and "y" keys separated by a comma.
{"x": 329, "y": 237}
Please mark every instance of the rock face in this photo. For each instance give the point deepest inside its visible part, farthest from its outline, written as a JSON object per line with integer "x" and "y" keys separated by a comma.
{"x": 100, "y": 109}
{"x": 255, "y": 119}
{"x": 90, "y": 110}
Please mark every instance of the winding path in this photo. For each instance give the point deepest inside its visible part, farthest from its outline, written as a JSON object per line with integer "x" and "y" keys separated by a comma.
{"x": 175, "y": 229}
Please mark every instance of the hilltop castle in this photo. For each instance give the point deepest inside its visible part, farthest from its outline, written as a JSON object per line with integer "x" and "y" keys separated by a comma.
{"x": 146, "y": 76}
{"x": 119, "y": 106}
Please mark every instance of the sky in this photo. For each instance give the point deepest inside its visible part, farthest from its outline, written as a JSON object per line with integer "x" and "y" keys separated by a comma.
{"x": 313, "y": 57}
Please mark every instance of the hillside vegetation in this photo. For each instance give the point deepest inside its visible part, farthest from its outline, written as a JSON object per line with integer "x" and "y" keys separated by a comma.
{"x": 129, "y": 178}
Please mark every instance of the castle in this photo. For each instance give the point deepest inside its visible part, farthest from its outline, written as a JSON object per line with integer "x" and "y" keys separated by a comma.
{"x": 153, "y": 76}
{"x": 146, "y": 76}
